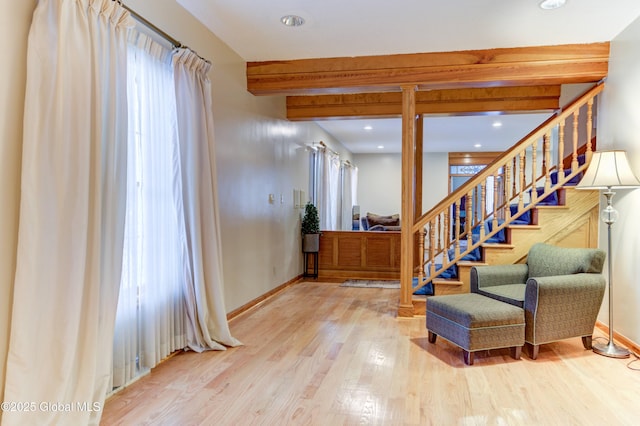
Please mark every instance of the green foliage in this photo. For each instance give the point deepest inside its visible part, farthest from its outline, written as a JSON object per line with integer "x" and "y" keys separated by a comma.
{"x": 310, "y": 220}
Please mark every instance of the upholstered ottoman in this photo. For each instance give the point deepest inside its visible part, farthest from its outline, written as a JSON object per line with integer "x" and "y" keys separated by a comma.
{"x": 475, "y": 323}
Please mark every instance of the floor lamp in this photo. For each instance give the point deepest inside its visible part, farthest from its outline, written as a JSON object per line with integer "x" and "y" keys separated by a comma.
{"x": 609, "y": 170}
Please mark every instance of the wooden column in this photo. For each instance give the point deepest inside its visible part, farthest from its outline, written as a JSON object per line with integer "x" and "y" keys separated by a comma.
{"x": 405, "y": 309}
{"x": 418, "y": 254}
{"x": 417, "y": 211}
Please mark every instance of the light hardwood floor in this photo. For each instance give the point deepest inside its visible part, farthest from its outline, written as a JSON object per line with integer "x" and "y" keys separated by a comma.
{"x": 321, "y": 354}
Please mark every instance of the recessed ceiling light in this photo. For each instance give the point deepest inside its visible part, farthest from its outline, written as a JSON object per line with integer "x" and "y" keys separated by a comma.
{"x": 380, "y": 146}
{"x": 497, "y": 124}
{"x": 478, "y": 145}
{"x": 552, "y": 4}
{"x": 367, "y": 127}
{"x": 292, "y": 20}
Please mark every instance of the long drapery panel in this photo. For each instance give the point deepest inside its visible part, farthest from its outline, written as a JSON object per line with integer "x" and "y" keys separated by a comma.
{"x": 330, "y": 189}
{"x": 349, "y": 194}
{"x": 150, "y": 323}
{"x": 207, "y": 326}
{"x": 71, "y": 214}
{"x": 329, "y": 205}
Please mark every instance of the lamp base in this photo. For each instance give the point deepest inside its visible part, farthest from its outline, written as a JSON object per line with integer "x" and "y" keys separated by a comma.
{"x": 611, "y": 350}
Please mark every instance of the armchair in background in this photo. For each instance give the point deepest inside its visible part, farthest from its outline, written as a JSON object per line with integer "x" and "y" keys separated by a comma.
{"x": 560, "y": 289}
{"x": 376, "y": 222}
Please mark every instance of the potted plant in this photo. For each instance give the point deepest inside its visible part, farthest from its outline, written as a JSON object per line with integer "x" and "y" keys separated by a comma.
{"x": 310, "y": 229}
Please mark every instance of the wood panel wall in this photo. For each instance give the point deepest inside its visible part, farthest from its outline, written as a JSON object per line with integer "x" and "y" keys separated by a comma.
{"x": 359, "y": 255}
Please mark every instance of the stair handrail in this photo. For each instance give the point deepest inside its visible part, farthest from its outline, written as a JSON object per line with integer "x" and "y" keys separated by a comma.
{"x": 503, "y": 161}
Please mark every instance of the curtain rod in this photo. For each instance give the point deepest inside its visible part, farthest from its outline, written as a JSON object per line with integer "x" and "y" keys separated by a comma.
{"x": 155, "y": 29}
{"x": 175, "y": 43}
{"x": 322, "y": 144}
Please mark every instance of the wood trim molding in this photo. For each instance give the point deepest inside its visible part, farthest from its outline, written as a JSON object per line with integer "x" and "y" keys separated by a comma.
{"x": 472, "y": 158}
{"x": 520, "y": 66}
{"x": 632, "y": 346}
{"x": 445, "y": 101}
{"x": 259, "y": 300}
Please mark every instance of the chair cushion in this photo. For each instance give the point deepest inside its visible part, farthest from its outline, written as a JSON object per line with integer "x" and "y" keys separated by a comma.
{"x": 545, "y": 260}
{"x": 474, "y": 311}
{"x": 384, "y": 228}
{"x": 512, "y": 294}
{"x": 474, "y": 322}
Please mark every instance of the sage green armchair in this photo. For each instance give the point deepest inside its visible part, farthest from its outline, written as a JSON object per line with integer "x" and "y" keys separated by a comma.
{"x": 560, "y": 290}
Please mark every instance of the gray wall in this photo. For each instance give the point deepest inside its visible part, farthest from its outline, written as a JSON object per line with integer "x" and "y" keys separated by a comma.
{"x": 380, "y": 181}
{"x": 619, "y": 128}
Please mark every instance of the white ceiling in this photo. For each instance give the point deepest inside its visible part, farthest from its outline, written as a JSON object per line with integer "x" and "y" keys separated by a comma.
{"x": 441, "y": 133}
{"x": 336, "y": 28}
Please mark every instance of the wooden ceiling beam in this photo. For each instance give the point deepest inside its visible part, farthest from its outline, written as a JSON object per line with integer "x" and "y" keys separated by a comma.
{"x": 445, "y": 101}
{"x": 539, "y": 65}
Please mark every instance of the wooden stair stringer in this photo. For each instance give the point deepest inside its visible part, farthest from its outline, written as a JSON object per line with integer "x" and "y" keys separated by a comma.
{"x": 580, "y": 213}
{"x": 582, "y": 232}
{"x": 548, "y": 222}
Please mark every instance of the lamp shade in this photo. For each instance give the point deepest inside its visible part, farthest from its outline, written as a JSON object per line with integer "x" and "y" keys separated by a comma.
{"x": 609, "y": 169}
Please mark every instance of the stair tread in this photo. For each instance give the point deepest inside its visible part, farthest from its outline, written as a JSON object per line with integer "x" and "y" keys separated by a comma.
{"x": 552, "y": 207}
{"x": 471, "y": 263}
{"x": 447, "y": 281}
{"x": 498, "y": 245}
{"x": 524, "y": 226}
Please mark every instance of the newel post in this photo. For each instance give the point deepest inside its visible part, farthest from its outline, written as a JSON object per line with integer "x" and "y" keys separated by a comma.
{"x": 405, "y": 309}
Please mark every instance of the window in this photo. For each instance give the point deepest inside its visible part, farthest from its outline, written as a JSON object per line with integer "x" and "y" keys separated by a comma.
{"x": 332, "y": 188}
{"x": 150, "y": 317}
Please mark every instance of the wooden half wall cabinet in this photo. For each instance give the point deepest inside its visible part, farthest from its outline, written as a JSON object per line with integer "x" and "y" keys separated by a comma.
{"x": 359, "y": 255}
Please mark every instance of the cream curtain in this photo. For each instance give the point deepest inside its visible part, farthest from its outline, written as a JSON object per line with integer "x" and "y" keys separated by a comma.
{"x": 150, "y": 320}
{"x": 316, "y": 160}
{"x": 72, "y": 213}
{"x": 329, "y": 205}
{"x": 348, "y": 199}
{"x": 207, "y": 326}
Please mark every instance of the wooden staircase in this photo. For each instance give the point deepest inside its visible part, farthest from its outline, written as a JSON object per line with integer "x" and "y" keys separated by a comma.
{"x": 510, "y": 199}
{"x": 573, "y": 223}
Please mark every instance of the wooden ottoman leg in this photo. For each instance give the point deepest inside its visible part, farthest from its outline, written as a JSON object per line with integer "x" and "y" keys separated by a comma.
{"x": 516, "y": 352}
{"x": 432, "y": 337}
{"x": 468, "y": 357}
{"x": 586, "y": 342}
